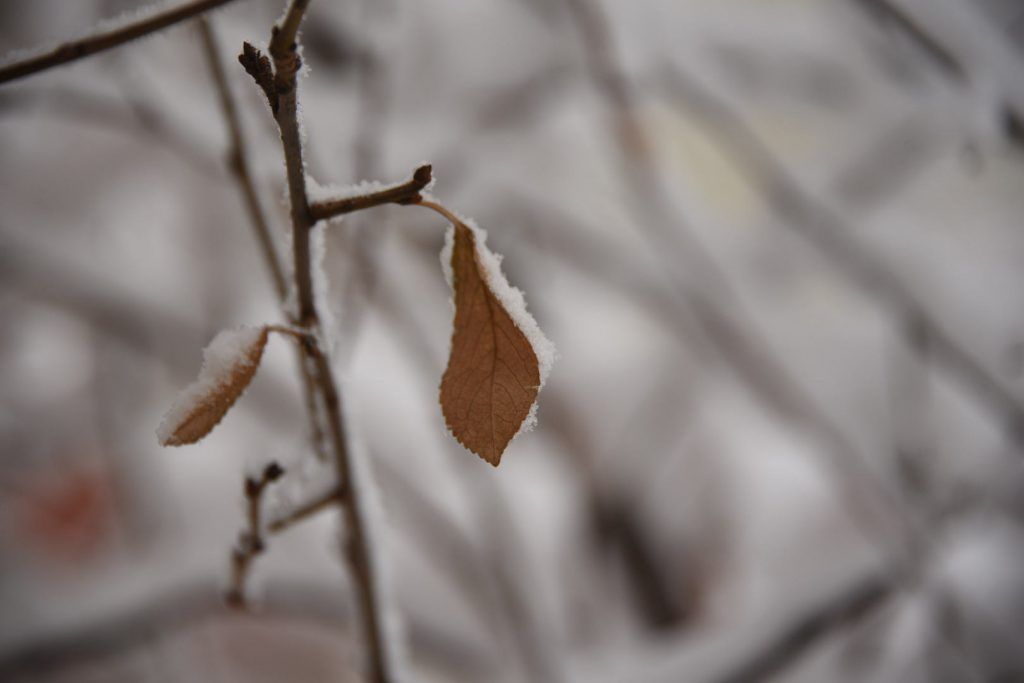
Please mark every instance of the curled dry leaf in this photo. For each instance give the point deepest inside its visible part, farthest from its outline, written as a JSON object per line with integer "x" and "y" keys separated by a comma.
{"x": 490, "y": 386}
{"x": 229, "y": 364}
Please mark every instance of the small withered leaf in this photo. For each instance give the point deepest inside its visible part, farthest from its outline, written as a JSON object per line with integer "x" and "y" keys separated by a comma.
{"x": 229, "y": 364}
{"x": 493, "y": 374}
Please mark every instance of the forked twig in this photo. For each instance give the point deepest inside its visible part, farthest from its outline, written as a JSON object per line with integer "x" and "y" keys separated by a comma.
{"x": 250, "y": 541}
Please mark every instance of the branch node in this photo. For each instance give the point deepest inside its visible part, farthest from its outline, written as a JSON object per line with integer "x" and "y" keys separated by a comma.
{"x": 258, "y": 65}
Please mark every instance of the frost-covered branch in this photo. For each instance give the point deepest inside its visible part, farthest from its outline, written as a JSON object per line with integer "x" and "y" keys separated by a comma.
{"x": 105, "y": 40}
{"x": 402, "y": 193}
{"x": 284, "y": 51}
{"x": 283, "y": 103}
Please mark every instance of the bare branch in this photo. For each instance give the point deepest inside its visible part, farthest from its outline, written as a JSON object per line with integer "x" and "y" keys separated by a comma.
{"x": 250, "y": 541}
{"x": 286, "y": 61}
{"x": 406, "y": 193}
{"x": 284, "y": 51}
{"x": 77, "y": 49}
{"x": 239, "y": 160}
{"x": 305, "y": 510}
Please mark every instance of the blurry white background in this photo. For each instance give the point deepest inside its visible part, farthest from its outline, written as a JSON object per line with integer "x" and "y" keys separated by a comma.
{"x": 778, "y": 245}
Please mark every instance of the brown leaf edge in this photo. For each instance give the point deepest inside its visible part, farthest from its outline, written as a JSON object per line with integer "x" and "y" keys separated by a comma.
{"x": 227, "y": 371}
{"x": 493, "y": 376}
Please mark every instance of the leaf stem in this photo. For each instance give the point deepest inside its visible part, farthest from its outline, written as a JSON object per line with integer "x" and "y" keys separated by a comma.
{"x": 455, "y": 220}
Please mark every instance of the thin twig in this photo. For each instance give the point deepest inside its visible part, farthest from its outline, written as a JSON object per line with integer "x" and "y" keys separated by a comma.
{"x": 406, "y": 193}
{"x": 238, "y": 160}
{"x": 305, "y": 510}
{"x": 250, "y": 541}
{"x": 284, "y": 52}
{"x": 105, "y": 40}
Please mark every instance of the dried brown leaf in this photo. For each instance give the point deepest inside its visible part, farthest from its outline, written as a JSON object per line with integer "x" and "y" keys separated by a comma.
{"x": 229, "y": 364}
{"x": 493, "y": 374}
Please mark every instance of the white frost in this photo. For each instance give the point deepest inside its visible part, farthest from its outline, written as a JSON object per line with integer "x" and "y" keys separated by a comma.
{"x": 328, "y": 311}
{"x": 229, "y": 351}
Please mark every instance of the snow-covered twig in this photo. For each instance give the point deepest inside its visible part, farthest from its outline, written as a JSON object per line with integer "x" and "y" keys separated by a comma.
{"x": 401, "y": 193}
{"x": 105, "y": 39}
{"x": 250, "y": 541}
